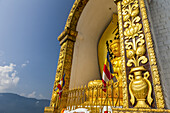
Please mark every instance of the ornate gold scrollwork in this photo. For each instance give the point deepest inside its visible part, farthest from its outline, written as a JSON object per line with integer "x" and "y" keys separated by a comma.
{"x": 139, "y": 87}
{"x": 58, "y": 75}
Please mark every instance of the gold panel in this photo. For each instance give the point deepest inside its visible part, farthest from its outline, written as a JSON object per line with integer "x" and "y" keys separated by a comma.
{"x": 139, "y": 55}
{"x": 139, "y": 86}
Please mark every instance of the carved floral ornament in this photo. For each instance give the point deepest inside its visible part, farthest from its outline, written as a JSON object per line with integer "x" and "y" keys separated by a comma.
{"x": 127, "y": 2}
{"x": 136, "y": 37}
{"x": 139, "y": 87}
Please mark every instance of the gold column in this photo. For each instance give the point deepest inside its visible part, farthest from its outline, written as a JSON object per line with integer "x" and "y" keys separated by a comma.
{"x": 67, "y": 39}
{"x": 139, "y": 63}
{"x": 124, "y": 78}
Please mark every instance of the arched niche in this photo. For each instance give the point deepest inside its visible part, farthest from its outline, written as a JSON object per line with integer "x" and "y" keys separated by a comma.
{"x": 93, "y": 21}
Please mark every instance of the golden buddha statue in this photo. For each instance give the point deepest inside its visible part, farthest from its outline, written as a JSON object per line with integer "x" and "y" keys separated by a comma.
{"x": 116, "y": 63}
{"x": 116, "y": 60}
{"x": 113, "y": 96}
{"x": 114, "y": 93}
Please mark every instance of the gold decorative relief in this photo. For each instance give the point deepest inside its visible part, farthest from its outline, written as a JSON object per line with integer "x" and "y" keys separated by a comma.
{"x": 75, "y": 13}
{"x": 67, "y": 39}
{"x": 127, "y": 2}
{"x": 68, "y": 63}
{"x": 139, "y": 86}
{"x": 58, "y": 75}
{"x": 122, "y": 50}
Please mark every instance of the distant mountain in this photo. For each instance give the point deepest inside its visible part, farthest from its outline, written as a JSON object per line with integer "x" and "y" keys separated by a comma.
{"x": 13, "y": 103}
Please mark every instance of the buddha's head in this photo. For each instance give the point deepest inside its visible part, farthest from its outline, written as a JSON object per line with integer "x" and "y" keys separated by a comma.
{"x": 115, "y": 47}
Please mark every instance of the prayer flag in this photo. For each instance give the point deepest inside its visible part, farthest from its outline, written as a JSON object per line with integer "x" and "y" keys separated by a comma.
{"x": 107, "y": 72}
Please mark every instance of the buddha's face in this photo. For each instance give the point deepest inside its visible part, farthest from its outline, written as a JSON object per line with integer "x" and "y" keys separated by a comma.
{"x": 115, "y": 49}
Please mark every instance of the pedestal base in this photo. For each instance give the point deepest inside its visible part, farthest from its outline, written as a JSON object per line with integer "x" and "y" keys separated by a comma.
{"x": 141, "y": 104}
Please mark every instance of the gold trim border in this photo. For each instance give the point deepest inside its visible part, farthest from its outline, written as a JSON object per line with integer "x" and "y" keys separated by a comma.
{"x": 124, "y": 78}
{"x": 72, "y": 20}
{"x": 152, "y": 59}
{"x": 75, "y": 13}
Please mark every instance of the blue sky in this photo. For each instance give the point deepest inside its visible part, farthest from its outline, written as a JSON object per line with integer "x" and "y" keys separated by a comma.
{"x": 29, "y": 47}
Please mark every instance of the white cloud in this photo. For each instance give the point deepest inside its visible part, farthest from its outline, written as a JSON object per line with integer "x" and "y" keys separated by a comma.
{"x": 41, "y": 96}
{"x": 32, "y": 95}
{"x": 25, "y": 64}
{"x": 8, "y": 77}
